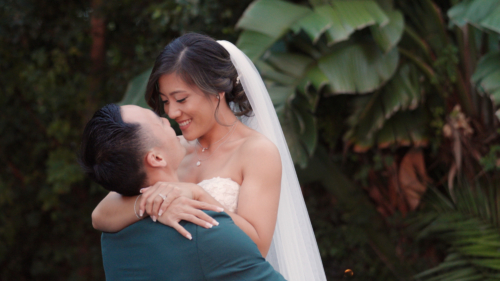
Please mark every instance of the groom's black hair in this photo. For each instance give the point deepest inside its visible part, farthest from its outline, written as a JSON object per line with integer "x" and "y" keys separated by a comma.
{"x": 111, "y": 152}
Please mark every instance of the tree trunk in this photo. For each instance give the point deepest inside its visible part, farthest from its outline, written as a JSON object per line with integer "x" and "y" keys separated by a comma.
{"x": 97, "y": 55}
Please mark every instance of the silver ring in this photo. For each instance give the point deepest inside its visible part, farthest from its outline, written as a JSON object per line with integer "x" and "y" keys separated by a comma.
{"x": 162, "y": 196}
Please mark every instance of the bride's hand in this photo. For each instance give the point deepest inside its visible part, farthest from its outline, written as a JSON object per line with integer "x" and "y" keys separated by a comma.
{"x": 158, "y": 201}
{"x": 186, "y": 209}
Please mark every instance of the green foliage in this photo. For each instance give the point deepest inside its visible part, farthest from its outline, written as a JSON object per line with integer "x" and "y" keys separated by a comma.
{"x": 491, "y": 160}
{"x": 469, "y": 224}
{"x": 343, "y": 242}
{"x": 376, "y": 48}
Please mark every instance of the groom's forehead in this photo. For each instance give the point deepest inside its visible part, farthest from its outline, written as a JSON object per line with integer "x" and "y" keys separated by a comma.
{"x": 137, "y": 114}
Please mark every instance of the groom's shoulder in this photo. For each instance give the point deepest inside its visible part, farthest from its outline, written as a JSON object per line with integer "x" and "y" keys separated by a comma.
{"x": 145, "y": 233}
{"x": 227, "y": 253}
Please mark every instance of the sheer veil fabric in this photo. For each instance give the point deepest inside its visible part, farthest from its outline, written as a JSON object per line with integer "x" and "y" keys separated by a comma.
{"x": 294, "y": 251}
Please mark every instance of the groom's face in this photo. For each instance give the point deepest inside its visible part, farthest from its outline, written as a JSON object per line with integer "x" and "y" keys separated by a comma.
{"x": 157, "y": 132}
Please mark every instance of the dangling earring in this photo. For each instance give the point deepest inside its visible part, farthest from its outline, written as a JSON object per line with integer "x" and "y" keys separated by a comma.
{"x": 218, "y": 97}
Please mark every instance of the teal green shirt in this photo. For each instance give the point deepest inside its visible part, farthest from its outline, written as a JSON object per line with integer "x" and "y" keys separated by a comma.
{"x": 153, "y": 251}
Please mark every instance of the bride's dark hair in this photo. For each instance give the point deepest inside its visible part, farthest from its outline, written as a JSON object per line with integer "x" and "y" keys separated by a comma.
{"x": 199, "y": 60}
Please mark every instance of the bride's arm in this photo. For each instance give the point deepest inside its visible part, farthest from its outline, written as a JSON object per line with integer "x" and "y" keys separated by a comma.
{"x": 114, "y": 213}
{"x": 259, "y": 193}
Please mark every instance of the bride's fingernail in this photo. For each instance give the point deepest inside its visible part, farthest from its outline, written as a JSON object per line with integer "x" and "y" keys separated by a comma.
{"x": 220, "y": 209}
{"x": 153, "y": 218}
{"x": 189, "y": 237}
{"x": 209, "y": 225}
{"x": 141, "y": 212}
{"x": 160, "y": 212}
{"x": 215, "y": 222}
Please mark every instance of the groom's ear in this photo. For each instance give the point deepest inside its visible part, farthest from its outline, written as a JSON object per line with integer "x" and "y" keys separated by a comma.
{"x": 156, "y": 159}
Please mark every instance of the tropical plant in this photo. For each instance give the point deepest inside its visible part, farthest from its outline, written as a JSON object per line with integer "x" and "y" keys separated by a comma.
{"x": 469, "y": 222}
{"x": 396, "y": 67}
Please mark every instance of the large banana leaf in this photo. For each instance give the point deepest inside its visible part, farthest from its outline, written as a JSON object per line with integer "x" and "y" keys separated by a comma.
{"x": 254, "y": 44}
{"x": 487, "y": 75}
{"x": 389, "y": 35}
{"x": 370, "y": 113}
{"x": 289, "y": 63}
{"x": 405, "y": 128}
{"x": 271, "y": 17}
{"x": 358, "y": 67}
{"x": 480, "y": 13}
{"x": 353, "y": 66}
{"x": 299, "y": 125}
{"x": 265, "y": 21}
{"x": 340, "y": 19}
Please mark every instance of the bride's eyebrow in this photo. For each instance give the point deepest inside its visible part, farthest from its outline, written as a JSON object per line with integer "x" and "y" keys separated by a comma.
{"x": 177, "y": 92}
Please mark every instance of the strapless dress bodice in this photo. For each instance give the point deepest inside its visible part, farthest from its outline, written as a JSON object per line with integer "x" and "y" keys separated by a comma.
{"x": 224, "y": 190}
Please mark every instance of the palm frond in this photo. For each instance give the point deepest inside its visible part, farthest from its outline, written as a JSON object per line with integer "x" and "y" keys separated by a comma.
{"x": 468, "y": 223}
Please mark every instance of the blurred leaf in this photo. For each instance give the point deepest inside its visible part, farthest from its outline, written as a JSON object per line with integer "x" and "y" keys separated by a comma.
{"x": 413, "y": 178}
{"x": 317, "y": 78}
{"x": 370, "y": 113}
{"x": 254, "y": 44}
{"x": 280, "y": 95}
{"x": 389, "y": 35}
{"x": 299, "y": 125}
{"x": 271, "y": 17}
{"x": 314, "y": 24}
{"x": 136, "y": 90}
{"x": 340, "y": 19}
{"x": 358, "y": 68}
{"x": 63, "y": 170}
{"x": 470, "y": 227}
{"x": 291, "y": 64}
{"x": 487, "y": 75}
{"x": 481, "y": 13}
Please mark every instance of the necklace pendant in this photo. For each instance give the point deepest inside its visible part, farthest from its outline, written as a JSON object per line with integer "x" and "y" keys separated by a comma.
{"x": 203, "y": 150}
{"x": 198, "y": 163}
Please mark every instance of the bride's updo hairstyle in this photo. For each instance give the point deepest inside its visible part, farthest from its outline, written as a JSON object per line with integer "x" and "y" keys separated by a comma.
{"x": 199, "y": 60}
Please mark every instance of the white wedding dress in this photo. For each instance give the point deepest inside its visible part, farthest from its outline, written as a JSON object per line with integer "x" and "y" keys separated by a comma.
{"x": 224, "y": 190}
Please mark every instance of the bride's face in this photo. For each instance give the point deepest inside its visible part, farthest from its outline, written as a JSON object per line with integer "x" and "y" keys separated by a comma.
{"x": 187, "y": 105}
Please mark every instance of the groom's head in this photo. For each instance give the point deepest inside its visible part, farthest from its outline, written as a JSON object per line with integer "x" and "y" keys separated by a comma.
{"x": 122, "y": 147}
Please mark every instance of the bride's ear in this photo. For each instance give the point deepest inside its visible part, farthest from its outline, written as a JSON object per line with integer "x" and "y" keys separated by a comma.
{"x": 155, "y": 159}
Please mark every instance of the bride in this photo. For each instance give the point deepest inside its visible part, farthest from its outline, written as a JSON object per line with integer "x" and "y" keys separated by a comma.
{"x": 243, "y": 163}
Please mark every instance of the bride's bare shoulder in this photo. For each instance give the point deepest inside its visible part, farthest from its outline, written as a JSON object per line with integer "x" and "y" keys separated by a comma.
{"x": 258, "y": 146}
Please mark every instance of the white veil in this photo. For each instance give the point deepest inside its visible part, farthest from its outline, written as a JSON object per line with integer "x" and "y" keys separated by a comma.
{"x": 294, "y": 251}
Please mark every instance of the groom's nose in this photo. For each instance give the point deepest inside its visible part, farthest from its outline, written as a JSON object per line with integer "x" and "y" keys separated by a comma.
{"x": 166, "y": 121}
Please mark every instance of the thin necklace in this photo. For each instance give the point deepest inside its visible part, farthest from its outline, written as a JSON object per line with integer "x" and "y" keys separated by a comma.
{"x": 206, "y": 148}
{"x": 230, "y": 133}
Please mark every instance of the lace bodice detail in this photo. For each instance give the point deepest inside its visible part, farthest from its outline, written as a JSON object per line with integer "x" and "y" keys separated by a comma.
{"x": 224, "y": 190}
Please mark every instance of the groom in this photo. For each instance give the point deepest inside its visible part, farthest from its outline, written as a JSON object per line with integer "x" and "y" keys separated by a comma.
{"x": 126, "y": 148}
